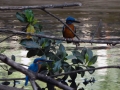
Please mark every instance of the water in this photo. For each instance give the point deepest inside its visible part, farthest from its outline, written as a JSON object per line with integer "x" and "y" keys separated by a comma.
{"x": 89, "y": 14}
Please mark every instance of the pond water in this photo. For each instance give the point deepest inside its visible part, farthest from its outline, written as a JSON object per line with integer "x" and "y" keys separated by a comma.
{"x": 90, "y": 13}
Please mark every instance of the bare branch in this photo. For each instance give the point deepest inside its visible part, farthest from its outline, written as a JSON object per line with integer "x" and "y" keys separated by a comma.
{"x": 32, "y": 75}
{"x": 99, "y": 24}
{"x": 39, "y": 7}
{"x": 104, "y": 67}
{"x": 4, "y": 87}
{"x": 6, "y": 38}
{"x": 33, "y": 84}
{"x": 9, "y": 79}
{"x": 62, "y": 39}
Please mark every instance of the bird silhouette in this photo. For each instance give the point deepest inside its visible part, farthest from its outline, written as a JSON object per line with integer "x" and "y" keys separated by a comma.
{"x": 67, "y": 33}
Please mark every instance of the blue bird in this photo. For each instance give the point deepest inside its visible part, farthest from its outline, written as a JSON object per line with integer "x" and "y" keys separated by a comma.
{"x": 66, "y": 32}
{"x": 35, "y": 67}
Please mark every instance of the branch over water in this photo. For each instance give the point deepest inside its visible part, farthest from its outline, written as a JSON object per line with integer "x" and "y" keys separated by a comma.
{"x": 39, "y": 7}
{"x": 62, "y": 39}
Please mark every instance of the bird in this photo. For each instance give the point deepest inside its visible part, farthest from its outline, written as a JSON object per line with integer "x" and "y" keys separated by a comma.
{"x": 67, "y": 33}
{"x": 35, "y": 67}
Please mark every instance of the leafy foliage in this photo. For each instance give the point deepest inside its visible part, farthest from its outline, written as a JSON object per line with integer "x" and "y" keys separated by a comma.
{"x": 27, "y": 16}
{"x": 54, "y": 50}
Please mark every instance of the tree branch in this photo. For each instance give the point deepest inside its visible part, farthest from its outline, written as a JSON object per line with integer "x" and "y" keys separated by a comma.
{"x": 72, "y": 72}
{"x": 62, "y": 39}
{"x": 32, "y": 75}
{"x": 39, "y": 7}
{"x": 33, "y": 84}
{"x": 4, "y": 87}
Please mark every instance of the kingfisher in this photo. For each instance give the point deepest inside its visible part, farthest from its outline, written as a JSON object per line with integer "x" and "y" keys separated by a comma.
{"x": 66, "y": 32}
{"x": 35, "y": 67}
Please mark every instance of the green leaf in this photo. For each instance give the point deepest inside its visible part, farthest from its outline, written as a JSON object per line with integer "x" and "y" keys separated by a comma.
{"x": 78, "y": 56}
{"x": 44, "y": 42}
{"x": 38, "y": 27}
{"x": 29, "y": 44}
{"x": 90, "y": 53}
{"x": 86, "y": 57}
{"x": 60, "y": 54}
{"x": 57, "y": 66}
{"x": 21, "y": 17}
{"x": 75, "y": 61}
{"x": 91, "y": 71}
{"x": 65, "y": 64}
{"x": 40, "y": 52}
{"x": 29, "y": 15}
{"x": 51, "y": 55}
{"x": 79, "y": 68}
{"x": 67, "y": 68}
{"x": 76, "y": 53}
{"x": 92, "y": 60}
{"x": 73, "y": 76}
{"x": 32, "y": 53}
{"x": 84, "y": 50}
{"x": 13, "y": 57}
{"x": 71, "y": 57}
{"x": 62, "y": 48}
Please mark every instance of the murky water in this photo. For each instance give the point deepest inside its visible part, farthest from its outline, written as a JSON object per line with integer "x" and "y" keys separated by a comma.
{"x": 89, "y": 14}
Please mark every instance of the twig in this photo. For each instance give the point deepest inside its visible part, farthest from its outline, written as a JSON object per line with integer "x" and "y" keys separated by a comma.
{"x": 61, "y": 22}
{"x": 99, "y": 24}
{"x": 39, "y": 7}
{"x": 72, "y": 72}
{"x": 9, "y": 79}
{"x": 6, "y": 38}
{"x": 62, "y": 39}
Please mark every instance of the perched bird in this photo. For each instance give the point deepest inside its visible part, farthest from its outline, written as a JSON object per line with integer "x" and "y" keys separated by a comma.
{"x": 36, "y": 66}
{"x": 66, "y": 31}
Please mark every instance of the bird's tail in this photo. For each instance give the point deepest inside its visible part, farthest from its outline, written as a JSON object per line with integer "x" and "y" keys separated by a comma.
{"x": 26, "y": 80}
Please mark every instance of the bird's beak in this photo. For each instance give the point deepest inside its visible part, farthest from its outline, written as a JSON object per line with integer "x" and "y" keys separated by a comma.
{"x": 48, "y": 60}
{"x": 77, "y": 21}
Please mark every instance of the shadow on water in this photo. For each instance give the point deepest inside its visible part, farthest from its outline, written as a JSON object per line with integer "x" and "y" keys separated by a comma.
{"x": 89, "y": 14}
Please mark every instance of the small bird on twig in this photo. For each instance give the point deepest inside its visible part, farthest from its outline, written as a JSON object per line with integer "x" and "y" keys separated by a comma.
{"x": 36, "y": 66}
{"x": 67, "y": 33}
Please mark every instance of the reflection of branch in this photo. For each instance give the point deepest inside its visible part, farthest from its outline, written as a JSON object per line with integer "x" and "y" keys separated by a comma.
{"x": 39, "y": 7}
{"x": 55, "y": 38}
{"x": 67, "y": 73}
{"x": 4, "y": 87}
{"x": 32, "y": 75}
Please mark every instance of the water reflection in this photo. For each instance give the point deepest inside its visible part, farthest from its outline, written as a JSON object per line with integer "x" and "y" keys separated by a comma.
{"x": 102, "y": 59}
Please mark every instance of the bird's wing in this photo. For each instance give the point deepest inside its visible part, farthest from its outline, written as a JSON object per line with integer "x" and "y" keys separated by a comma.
{"x": 75, "y": 29}
{"x": 63, "y": 30}
{"x": 33, "y": 67}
